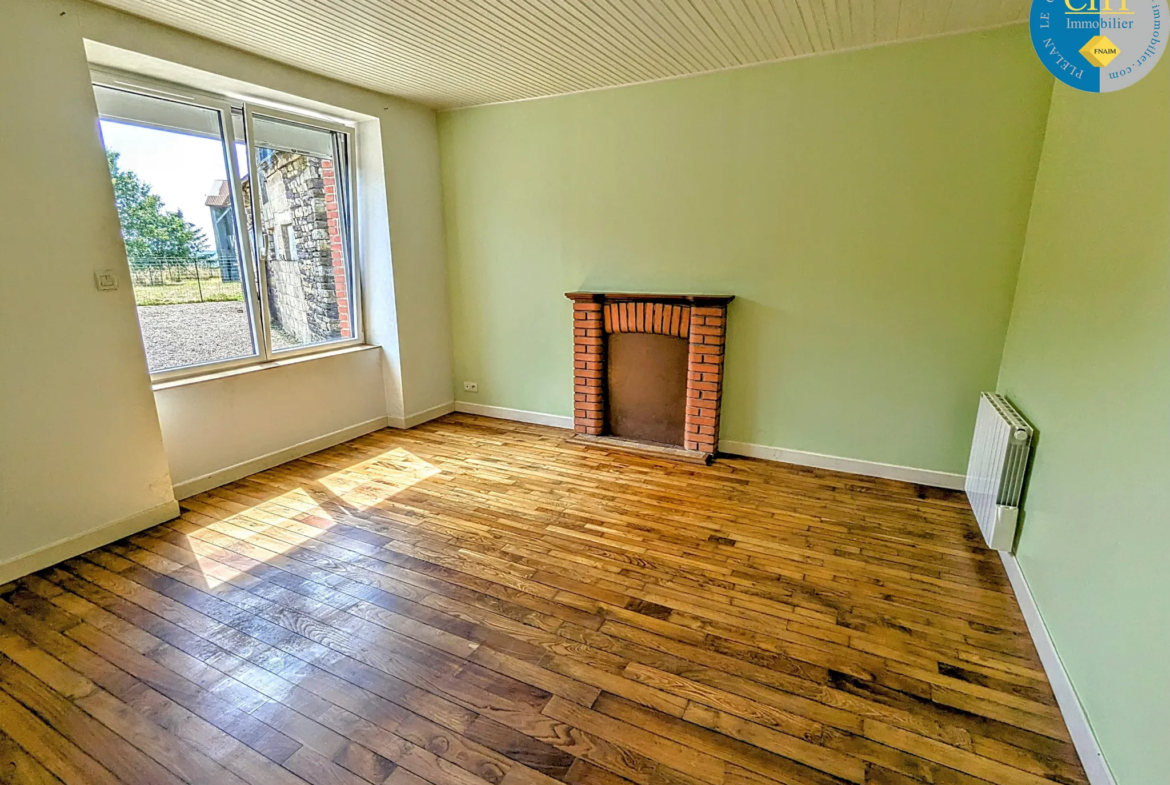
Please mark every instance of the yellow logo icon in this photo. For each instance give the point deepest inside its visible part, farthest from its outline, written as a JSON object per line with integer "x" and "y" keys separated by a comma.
{"x": 1100, "y": 51}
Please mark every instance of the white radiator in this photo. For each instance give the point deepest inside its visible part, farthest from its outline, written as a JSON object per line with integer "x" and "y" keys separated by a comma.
{"x": 995, "y": 473}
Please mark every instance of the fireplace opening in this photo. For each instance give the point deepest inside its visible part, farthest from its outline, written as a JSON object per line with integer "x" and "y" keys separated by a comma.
{"x": 646, "y": 387}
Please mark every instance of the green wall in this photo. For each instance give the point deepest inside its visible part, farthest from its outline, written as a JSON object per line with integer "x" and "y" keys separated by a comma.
{"x": 868, "y": 209}
{"x": 1088, "y": 361}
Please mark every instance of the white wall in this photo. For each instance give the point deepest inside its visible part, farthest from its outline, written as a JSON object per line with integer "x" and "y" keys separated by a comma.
{"x": 80, "y": 446}
{"x": 401, "y": 248}
{"x": 420, "y": 269}
{"x": 406, "y": 297}
{"x": 238, "y": 423}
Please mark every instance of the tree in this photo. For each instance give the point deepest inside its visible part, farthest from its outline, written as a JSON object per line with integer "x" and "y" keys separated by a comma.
{"x": 148, "y": 229}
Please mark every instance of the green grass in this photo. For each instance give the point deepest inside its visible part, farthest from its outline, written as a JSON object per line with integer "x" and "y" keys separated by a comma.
{"x": 207, "y": 291}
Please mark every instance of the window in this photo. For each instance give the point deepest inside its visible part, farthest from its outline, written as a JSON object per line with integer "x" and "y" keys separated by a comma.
{"x": 288, "y": 248}
{"x": 237, "y": 225}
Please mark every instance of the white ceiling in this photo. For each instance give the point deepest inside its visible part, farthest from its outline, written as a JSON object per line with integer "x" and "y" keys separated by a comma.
{"x": 450, "y": 53}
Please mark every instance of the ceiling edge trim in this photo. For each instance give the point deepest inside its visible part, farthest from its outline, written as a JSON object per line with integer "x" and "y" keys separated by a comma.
{"x": 774, "y": 61}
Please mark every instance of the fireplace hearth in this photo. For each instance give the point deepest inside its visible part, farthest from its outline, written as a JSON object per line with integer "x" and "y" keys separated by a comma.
{"x": 648, "y": 369}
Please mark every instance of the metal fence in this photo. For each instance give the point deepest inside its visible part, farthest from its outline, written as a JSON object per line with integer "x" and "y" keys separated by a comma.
{"x": 163, "y": 280}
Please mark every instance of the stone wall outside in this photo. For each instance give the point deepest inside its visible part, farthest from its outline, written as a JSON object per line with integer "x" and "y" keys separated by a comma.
{"x": 307, "y": 297}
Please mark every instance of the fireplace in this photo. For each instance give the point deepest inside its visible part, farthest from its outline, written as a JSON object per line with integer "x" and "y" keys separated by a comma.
{"x": 648, "y": 369}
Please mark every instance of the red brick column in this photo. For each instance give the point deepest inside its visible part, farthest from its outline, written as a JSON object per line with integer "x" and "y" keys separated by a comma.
{"x": 329, "y": 178}
{"x": 704, "y": 378}
{"x": 588, "y": 368}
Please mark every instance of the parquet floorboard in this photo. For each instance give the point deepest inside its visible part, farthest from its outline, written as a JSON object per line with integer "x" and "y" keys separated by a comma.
{"x": 479, "y": 602}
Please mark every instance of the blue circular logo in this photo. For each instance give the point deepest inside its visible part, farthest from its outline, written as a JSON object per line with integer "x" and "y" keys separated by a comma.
{"x": 1099, "y": 45}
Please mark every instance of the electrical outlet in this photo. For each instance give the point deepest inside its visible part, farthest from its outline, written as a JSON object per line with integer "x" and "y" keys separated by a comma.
{"x": 471, "y": 386}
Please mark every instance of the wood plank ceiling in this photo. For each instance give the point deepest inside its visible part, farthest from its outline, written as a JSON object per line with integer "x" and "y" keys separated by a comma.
{"x": 467, "y": 52}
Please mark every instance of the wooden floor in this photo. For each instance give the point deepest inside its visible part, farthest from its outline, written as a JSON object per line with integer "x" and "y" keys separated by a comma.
{"x": 476, "y": 601}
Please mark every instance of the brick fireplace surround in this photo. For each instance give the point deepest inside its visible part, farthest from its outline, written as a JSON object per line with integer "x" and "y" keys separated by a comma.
{"x": 699, "y": 319}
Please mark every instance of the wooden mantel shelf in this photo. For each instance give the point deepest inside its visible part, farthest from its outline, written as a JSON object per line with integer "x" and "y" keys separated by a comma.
{"x": 719, "y": 300}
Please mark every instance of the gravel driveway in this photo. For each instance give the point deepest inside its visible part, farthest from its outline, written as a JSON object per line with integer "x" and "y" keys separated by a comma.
{"x": 177, "y": 335}
{"x": 192, "y": 333}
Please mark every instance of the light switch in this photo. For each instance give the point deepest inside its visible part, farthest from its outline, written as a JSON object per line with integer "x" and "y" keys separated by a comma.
{"x": 107, "y": 280}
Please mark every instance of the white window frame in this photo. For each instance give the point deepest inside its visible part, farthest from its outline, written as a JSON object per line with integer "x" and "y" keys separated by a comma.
{"x": 253, "y": 263}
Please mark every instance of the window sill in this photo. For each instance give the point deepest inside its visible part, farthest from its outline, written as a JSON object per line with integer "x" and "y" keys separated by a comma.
{"x": 259, "y": 367}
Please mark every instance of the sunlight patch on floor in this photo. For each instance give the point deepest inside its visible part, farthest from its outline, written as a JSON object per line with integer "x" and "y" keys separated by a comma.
{"x": 269, "y": 531}
{"x": 366, "y": 484}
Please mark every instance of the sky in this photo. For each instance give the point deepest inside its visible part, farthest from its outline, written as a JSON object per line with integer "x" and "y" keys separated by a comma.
{"x": 180, "y": 168}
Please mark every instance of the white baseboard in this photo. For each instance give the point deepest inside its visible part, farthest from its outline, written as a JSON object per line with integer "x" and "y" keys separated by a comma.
{"x": 419, "y": 418}
{"x": 886, "y": 471}
{"x": 237, "y": 471}
{"x": 849, "y": 465}
{"x": 519, "y": 415}
{"x": 1066, "y": 696}
{"x": 69, "y": 547}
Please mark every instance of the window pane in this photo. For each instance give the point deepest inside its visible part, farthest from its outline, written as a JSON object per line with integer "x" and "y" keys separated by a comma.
{"x": 174, "y": 199}
{"x": 303, "y": 237}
